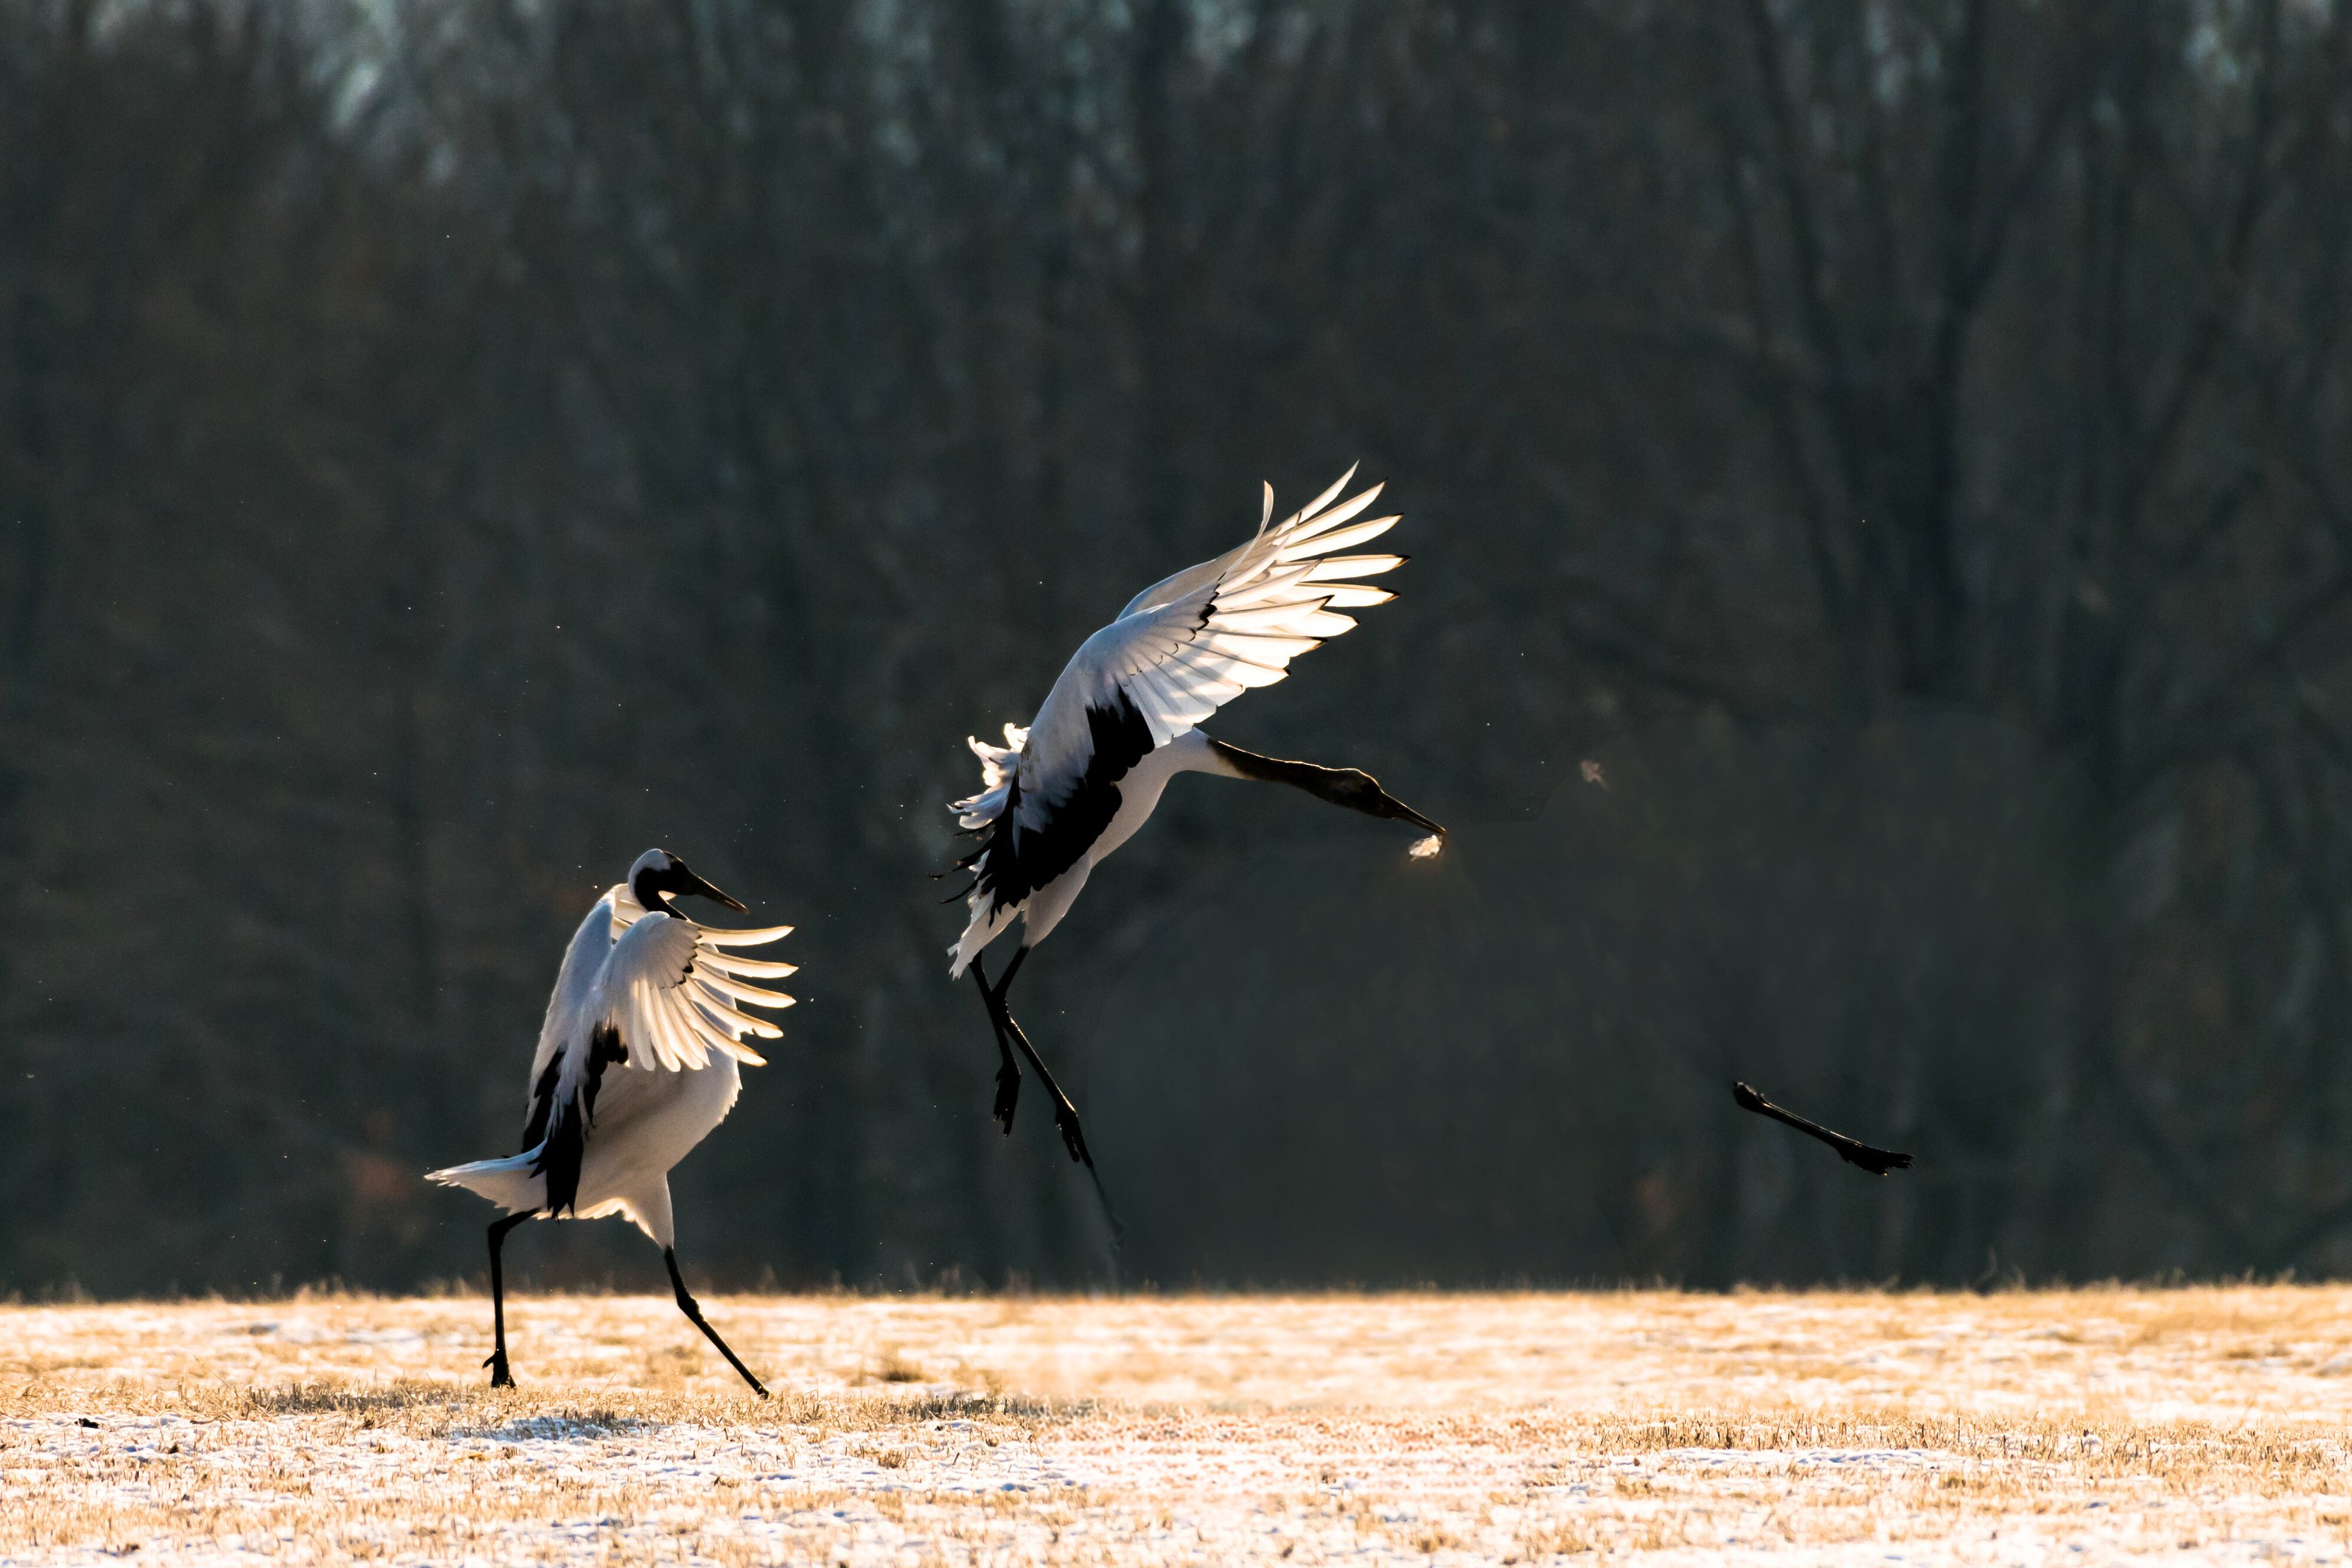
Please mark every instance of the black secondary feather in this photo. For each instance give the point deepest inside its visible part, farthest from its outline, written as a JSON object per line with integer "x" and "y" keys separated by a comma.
{"x": 567, "y": 1134}
{"x": 1015, "y": 861}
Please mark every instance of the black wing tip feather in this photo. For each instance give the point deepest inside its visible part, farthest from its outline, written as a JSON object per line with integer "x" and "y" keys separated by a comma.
{"x": 1877, "y": 1162}
{"x": 543, "y": 1104}
{"x": 566, "y": 1139}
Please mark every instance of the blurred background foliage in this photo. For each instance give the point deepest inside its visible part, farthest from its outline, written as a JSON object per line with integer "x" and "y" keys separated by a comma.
{"x": 446, "y": 447}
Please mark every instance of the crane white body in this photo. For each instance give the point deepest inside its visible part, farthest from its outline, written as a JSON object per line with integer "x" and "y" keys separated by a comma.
{"x": 647, "y": 1120}
{"x": 1140, "y": 789}
{"x": 634, "y": 1118}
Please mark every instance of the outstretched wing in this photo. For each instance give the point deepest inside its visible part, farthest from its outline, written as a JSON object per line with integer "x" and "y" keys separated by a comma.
{"x": 664, "y": 997}
{"x": 670, "y": 990}
{"x": 1186, "y": 646}
{"x": 1181, "y": 650}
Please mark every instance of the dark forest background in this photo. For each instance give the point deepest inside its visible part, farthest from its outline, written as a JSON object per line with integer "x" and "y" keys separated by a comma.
{"x": 446, "y": 448}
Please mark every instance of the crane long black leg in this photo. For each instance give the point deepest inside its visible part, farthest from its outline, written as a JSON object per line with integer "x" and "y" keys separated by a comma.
{"x": 694, "y": 1315}
{"x": 1852, "y": 1151}
{"x": 499, "y": 1376}
{"x": 1065, "y": 1115}
{"x": 1008, "y": 1073}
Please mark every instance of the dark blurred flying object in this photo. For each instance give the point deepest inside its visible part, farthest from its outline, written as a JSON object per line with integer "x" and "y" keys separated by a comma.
{"x": 1854, "y": 1152}
{"x": 636, "y": 1064}
{"x": 1063, "y": 793}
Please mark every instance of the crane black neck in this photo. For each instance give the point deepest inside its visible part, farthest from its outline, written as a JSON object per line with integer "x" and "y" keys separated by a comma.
{"x": 1316, "y": 781}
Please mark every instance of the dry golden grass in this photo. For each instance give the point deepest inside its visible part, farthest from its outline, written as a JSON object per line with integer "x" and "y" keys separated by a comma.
{"x": 2203, "y": 1424}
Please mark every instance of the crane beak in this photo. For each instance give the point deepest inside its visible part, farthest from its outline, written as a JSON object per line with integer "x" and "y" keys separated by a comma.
{"x": 1422, "y": 848}
{"x": 695, "y": 884}
{"x": 1399, "y": 810}
{"x": 1418, "y": 820}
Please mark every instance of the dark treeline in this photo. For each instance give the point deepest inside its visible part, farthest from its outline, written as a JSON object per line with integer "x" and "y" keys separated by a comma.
{"x": 447, "y": 447}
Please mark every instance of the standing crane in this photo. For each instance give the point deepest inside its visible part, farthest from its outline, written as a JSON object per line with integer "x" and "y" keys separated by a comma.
{"x": 636, "y": 1063}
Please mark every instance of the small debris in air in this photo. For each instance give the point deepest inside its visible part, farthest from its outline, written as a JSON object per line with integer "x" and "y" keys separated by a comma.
{"x": 1592, "y": 774}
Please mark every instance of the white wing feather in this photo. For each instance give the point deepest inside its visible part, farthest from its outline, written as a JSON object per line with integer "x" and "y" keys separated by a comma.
{"x": 716, "y": 937}
{"x": 736, "y": 964}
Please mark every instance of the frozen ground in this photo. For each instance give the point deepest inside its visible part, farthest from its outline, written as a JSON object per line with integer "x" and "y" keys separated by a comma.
{"x": 2206, "y": 1426}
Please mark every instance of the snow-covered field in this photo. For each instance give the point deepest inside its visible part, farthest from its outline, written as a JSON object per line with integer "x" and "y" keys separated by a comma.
{"x": 2196, "y": 1425}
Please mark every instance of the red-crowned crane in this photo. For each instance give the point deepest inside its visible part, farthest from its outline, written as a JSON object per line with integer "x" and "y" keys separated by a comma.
{"x": 636, "y": 1063}
{"x": 1061, "y": 795}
